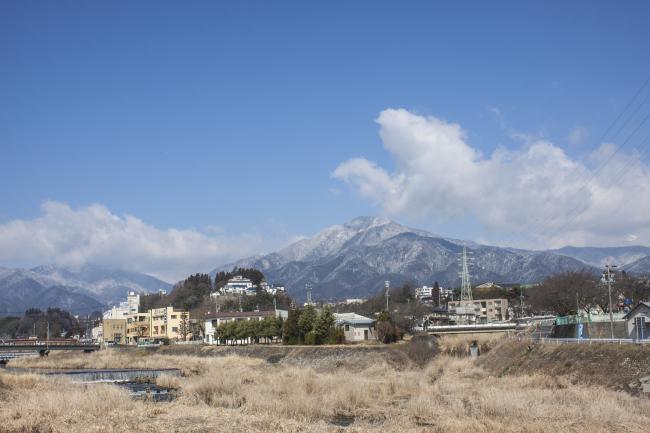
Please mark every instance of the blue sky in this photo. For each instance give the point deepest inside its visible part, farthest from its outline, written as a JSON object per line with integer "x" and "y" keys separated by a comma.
{"x": 236, "y": 114}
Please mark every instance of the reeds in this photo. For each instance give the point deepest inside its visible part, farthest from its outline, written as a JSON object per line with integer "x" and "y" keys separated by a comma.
{"x": 237, "y": 394}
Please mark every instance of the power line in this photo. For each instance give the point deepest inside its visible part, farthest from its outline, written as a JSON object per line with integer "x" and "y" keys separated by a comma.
{"x": 575, "y": 211}
{"x": 543, "y": 222}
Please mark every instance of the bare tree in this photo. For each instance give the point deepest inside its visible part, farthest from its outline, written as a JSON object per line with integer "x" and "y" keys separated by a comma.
{"x": 568, "y": 293}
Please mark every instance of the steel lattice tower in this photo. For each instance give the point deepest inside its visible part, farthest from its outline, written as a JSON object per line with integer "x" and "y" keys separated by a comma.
{"x": 465, "y": 285}
{"x": 308, "y": 287}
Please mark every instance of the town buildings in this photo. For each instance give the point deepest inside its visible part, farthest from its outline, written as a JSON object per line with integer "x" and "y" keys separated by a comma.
{"x": 355, "y": 326}
{"x": 238, "y": 285}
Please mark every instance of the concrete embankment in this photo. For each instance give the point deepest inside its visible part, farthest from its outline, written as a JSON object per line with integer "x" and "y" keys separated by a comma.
{"x": 622, "y": 367}
{"x": 101, "y": 375}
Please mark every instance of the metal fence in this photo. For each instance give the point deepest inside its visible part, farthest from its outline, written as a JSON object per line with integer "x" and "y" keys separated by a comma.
{"x": 589, "y": 340}
{"x": 589, "y": 318}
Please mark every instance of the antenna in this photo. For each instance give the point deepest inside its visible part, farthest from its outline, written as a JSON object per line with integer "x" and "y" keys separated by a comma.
{"x": 465, "y": 285}
{"x": 387, "y": 286}
{"x": 308, "y": 288}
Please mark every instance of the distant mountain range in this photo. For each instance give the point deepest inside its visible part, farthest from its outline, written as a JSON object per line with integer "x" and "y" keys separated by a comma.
{"x": 82, "y": 291}
{"x": 349, "y": 260}
{"x": 600, "y": 256}
{"x": 354, "y": 259}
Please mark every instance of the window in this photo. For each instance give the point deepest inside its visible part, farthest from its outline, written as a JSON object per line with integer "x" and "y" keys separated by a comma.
{"x": 174, "y": 329}
{"x": 347, "y": 327}
{"x": 173, "y": 316}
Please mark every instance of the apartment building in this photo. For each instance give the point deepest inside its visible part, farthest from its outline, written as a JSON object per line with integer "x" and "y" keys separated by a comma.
{"x": 479, "y": 311}
{"x": 158, "y": 324}
{"x": 126, "y": 308}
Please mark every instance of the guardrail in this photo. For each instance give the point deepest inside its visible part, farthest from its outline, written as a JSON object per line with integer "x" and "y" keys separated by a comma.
{"x": 589, "y": 340}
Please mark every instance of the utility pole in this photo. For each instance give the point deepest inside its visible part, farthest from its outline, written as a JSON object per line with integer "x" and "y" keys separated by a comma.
{"x": 387, "y": 286}
{"x": 608, "y": 277}
{"x": 521, "y": 301}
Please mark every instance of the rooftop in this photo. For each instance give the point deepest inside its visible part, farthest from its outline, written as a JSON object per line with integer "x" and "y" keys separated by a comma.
{"x": 352, "y": 319}
{"x": 235, "y": 314}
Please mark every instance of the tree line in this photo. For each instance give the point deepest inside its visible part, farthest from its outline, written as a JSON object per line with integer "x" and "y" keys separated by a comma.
{"x": 582, "y": 292}
{"x": 308, "y": 326}
{"x": 253, "y": 331}
{"x": 62, "y": 324}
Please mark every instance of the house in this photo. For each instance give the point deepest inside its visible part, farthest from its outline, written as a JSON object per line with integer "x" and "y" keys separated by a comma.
{"x": 214, "y": 320}
{"x": 488, "y": 285}
{"x": 479, "y": 311}
{"x": 637, "y": 322}
{"x": 355, "y": 326}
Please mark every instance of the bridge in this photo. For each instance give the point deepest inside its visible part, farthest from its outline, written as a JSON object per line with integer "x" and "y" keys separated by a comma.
{"x": 11, "y": 349}
{"x": 473, "y": 329}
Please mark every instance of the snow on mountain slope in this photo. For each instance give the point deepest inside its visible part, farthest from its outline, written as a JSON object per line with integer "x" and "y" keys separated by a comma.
{"x": 355, "y": 258}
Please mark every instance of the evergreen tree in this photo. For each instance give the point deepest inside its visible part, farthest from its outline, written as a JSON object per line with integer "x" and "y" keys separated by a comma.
{"x": 291, "y": 331}
{"x": 324, "y": 326}
{"x": 306, "y": 322}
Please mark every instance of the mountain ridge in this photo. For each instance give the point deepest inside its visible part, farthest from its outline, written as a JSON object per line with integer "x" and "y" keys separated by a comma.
{"x": 355, "y": 258}
{"x": 81, "y": 291}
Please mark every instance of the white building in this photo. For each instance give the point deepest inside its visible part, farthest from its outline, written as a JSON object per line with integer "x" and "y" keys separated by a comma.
{"x": 212, "y": 321}
{"x": 271, "y": 289}
{"x": 355, "y": 326}
{"x": 97, "y": 333}
{"x": 637, "y": 322}
{"x": 351, "y": 301}
{"x": 238, "y": 285}
{"x": 424, "y": 292}
{"x": 126, "y": 308}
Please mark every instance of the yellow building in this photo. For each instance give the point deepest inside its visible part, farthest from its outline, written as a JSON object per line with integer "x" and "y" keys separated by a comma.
{"x": 159, "y": 324}
{"x": 114, "y": 331}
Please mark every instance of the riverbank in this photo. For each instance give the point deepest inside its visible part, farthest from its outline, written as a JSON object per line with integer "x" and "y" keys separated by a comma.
{"x": 613, "y": 366}
{"x": 234, "y": 393}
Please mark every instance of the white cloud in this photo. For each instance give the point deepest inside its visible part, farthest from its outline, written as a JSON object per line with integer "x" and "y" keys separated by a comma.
{"x": 537, "y": 192}
{"x": 93, "y": 234}
{"x": 577, "y": 136}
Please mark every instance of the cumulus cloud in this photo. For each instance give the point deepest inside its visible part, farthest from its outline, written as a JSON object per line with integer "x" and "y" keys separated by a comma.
{"x": 94, "y": 235}
{"x": 537, "y": 192}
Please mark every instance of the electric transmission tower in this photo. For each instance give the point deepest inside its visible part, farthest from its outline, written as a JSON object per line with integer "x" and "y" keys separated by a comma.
{"x": 308, "y": 288}
{"x": 465, "y": 285}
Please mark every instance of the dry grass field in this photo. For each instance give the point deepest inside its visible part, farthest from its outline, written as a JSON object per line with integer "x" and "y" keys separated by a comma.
{"x": 237, "y": 394}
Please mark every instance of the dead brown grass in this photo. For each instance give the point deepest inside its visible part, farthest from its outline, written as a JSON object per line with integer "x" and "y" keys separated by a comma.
{"x": 458, "y": 344}
{"x": 235, "y": 394}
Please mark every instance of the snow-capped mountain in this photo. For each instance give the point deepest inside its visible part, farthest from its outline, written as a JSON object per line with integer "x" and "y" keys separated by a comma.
{"x": 600, "y": 256}
{"x": 83, "y": 290}
{"x": 354, "y": 259}
{"x": 639, "y": 267}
